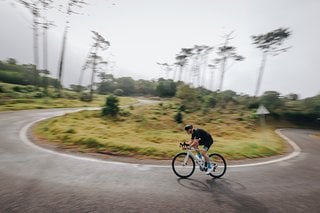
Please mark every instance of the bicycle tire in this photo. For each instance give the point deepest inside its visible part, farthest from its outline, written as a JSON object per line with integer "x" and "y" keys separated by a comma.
{"x": 221, "y": 163}
{"x": 178, "y": 167}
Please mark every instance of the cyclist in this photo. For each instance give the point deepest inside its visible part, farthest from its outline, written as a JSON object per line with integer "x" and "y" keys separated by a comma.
{"x": 203, "y": 138}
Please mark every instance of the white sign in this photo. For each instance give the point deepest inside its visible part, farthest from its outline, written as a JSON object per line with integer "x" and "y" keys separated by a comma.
{"x": 262, "y": 110}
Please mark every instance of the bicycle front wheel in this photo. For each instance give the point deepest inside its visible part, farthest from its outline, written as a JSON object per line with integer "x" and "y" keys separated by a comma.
{"x": 220, "y": 165}
{"x": 183, "y": 165}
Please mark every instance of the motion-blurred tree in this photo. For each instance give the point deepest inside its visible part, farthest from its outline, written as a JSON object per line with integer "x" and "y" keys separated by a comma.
{"x": 271, "y": 100}
{"x": 269, "y": 43}
{"x": 100, "y": 43}
{"x": 166, "y": 88}
{"x": 182, "y": 60}
{"x": 226, "y": 52}
{"x": 126, "y": 84}
{"x": 11, "y": 61}
{"x": 33, "y": 7}
{"x": 70, "y": 10}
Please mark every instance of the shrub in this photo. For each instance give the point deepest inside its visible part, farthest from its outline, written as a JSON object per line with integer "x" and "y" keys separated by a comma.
{"x": 211, "y": 101}
{"x": 178, "y": 117}
{"x": 118, "y": 92}
{"x": 39, "y": 95}
{"x": 111, "y": 107}
{"x": 85, "y": 97}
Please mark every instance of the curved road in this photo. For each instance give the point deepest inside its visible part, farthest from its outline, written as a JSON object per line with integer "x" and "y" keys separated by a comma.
{"x": 35, "y": 180}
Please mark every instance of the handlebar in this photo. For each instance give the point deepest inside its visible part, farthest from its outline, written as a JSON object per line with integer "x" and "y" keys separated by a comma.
{"x": 184, "y": 145}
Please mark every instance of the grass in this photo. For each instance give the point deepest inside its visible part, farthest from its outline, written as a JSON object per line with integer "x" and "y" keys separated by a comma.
{"x": 151, "y": 132}
{"x": 317, "y": 135}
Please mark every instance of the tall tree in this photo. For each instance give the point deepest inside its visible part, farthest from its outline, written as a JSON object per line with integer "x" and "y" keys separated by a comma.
{"x": 70, "y": 10}
{"x": 200, "y": 63}
{"x": 226, "y": 52}
{"x": 167, "y": 68}
{"x": 46, "y": 24}
{"x": 182, "y": 60}
{"x": 33, "y": 7}
{"x": 100, "y": 43}
{"x": 212, "y": 69}
{"x": 270, "y": 44}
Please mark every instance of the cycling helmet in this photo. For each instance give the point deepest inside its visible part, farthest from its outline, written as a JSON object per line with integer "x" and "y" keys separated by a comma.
{"x": 188, "y": 126}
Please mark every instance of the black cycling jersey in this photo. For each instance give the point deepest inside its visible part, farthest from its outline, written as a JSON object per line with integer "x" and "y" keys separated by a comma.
{"x": 205, "y": 137}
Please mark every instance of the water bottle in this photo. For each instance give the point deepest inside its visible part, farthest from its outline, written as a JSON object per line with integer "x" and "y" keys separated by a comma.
{"x": 199, "y": 156}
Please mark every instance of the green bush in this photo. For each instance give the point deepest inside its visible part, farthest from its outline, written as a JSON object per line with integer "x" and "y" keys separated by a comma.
{"x": 211, "y": 101}
{"x": 39, "y": 95}
{"x": 85, "y": 97}
{"x": 178, "y": 117}
{"x": 111, "y": 107}
{"x": 118, "y": 92}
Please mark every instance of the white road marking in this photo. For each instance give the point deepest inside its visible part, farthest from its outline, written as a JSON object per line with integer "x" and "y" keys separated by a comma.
{"x": 296, "y": 152}
{"x": 25, "y": 139}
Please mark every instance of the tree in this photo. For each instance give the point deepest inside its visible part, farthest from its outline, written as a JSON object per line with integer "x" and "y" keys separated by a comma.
{"x": 111, "y": 107}
{"x": 126, "y": 84}
{"x": 271, "y": 100}
{"x": 11, "y": 61}
{"x": 167, "y": 69}
{"x": 182, "y": 60}
{"x": 69, "y": 12}
{"x": 226, "y": 52}
{"x": 188, "y": 97}
{"x": 100, "y": 43}
{"x": 269, "y": 43}
{"x": 199, "y": 63}
{"x": 166, "y": 88}
{"x": 46, "y": 4}
{"x": 212, "y": 69}
{"x": 32, "y": 5}
{"x": 144, "y": 87}
{"x": 292, "y": 96}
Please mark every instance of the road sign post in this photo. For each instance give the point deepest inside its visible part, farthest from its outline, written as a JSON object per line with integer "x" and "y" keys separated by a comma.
{"x": 262, "y": 112}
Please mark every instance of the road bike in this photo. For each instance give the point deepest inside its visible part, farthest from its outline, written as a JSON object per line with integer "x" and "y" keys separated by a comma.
{"x": 184, "y": 163}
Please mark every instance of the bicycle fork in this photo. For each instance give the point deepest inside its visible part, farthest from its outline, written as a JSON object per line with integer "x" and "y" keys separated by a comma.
{"x": 186, "y": 159}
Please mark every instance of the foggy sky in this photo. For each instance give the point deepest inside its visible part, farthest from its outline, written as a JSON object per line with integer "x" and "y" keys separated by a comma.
{"x": 144, "y": 32}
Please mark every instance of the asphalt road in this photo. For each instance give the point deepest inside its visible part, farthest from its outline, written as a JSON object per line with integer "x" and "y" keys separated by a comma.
{"x": 35, "y": 180}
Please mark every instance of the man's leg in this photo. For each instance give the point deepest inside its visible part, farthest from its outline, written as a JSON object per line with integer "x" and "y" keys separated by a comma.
{"x": 204, "y": 153}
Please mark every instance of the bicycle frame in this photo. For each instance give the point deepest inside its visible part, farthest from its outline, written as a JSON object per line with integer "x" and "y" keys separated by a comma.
{"x": 199, "y": 162}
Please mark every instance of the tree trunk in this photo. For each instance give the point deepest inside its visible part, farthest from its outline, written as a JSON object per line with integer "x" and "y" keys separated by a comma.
{"x": 93, "y": 70}
{"x": 180, "y": 72}
{"x": 62, "y": 59}
{"x": 212, "y": 80}
{"x": 45, "y": 52}
{"x": 261, "y": 70}
{"x": 223, "y": 70}
{"x": 35, "y": 50}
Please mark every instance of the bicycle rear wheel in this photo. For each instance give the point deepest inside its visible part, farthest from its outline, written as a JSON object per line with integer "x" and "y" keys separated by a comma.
{"x": 220, "y": 165}
{"x": 183, "y": 165}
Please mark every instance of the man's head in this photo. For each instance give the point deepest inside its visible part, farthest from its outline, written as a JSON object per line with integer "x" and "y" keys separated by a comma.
{"x": 188, "y": 128}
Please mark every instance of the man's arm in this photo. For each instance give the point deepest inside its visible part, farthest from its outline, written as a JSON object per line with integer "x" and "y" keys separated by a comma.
{"x": 194, "y": 143}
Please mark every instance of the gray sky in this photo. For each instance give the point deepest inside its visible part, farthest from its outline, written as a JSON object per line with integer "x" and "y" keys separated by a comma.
{"x": 144, "y": 32}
